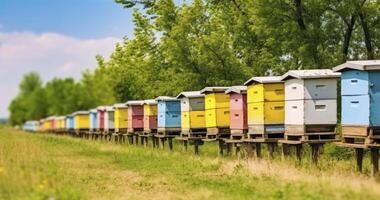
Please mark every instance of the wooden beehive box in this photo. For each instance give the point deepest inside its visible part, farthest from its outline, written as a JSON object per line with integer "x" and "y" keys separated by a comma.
{"x": 360, "y": 91}
{"x": 238, "y": 109}
{"x": 70, "y": 122}
{"x": 61, "y": 123}
{"x": 310, "y": 101}
{"x": 109, "y": 119}
{"x": 192, "y": 111}
{"x": 81, "y": 120}
{"x": 100, "y": 118}
{"x": 169, "y": 114}
{"x": 93, "y": 119}
{"x": 135, "y": 116}
{"x": 121, "y": 117}
{"x": 217, "y": 109}
{"x": 150, "y": 116}
{"x": 266, "y": 113}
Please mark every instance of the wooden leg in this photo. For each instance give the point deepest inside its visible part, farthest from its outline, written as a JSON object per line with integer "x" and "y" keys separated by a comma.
{"x": 249, "y": 149}
{"x": 375, "y": 161}
{"x": 299, "y": 152}
{"x": 285, "y": 150}
{"x": 229, "y": 147}
{"x": 185, "y": 143}
{"x": 170, "y": 140}
{"x": 359, "y": 152}
{"x": 258, "y": 150}
{"x": 196, "y": 147}
{"x": 154, "y": 142}
{"x": 315, "y": 153}
{"x": 163, "y": 143}
{"x": 221, "y": 147}
{"x": 271, "y": 148}
{"x": 237, "y": 150}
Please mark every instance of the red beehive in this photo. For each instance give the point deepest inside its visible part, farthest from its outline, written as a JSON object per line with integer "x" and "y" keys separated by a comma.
{"x": 100, "y": 119}
{"x": 135, "y": 115}
{"x": 238, "y": 109}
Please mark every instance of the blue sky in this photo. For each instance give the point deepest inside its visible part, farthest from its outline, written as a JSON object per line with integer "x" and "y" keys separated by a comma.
{"x": 77, "y": 18}
{"x": 56, "y": 38}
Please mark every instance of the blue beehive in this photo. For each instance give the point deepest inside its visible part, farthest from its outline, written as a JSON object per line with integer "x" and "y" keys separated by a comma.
{"x": 169, "y": 113}
{"x": 70, "y": 122}
{"x": 360, "y": 83}
{"x": 93, "y": 120}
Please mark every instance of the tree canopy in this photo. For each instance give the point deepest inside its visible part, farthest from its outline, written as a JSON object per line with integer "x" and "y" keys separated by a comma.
{"x": 201, "y": 43}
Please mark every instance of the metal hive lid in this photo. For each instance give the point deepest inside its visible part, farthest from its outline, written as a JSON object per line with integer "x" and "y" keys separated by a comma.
{"x": 109, "y": 108}
{"x": 166, "y": 98}
{"x": 135, "y": 102}
{"x": 120, "y": 105}
{"x": 190, "y": 94}
{"x": 81, "y": 113}
{"x": 310, "y": 74}
{"x": 239, "y": 89}
{"x": 264, "y": 79}
{"x": 214, "y": 90}
{"x": 150, "y": 102}
{"x": 362, "y": 65}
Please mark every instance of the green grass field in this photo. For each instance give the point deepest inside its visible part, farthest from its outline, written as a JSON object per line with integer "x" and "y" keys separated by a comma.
{"x": 37, "y": 166}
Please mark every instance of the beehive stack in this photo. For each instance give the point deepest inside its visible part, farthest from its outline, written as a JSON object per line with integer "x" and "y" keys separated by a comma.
{"x": 169, "y": 115}
{"x": 217, "y": 111}
{"x": 238, "y": 110}
{"x": 135, "y": 116}
{"x": 70, "y": 123}
{"x": 121, "y": 118}
{"x": 60, "y": 124}
{"x": 100, "y": 119}
{"x": 360, "y": 90}
{"x": 310, "y": 105}
{"x": 150, "y": 116}
{"x": 192, "y": 113}
{"x": 109, "y": 120}
{"x": 265, "y": 107}
{"x": 81, "y": 121}
{"x": 93, "y": 120}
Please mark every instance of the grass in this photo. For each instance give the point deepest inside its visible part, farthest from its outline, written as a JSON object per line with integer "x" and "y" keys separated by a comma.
{"x": 39, "y": 166}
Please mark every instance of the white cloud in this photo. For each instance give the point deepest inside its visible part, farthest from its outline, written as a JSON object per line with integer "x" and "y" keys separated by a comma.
{"x": 49, "y": 54}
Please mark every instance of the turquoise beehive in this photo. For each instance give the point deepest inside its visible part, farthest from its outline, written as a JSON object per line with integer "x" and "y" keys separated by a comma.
{"x": 169, "y": 112}
{"x": 360, "y": 91}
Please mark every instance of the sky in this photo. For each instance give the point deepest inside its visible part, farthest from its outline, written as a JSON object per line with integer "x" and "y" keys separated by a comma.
{"x": 55, "y": 38}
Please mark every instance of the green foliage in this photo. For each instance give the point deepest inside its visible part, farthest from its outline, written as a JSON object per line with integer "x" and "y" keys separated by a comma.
{"x": 200, "y": 43}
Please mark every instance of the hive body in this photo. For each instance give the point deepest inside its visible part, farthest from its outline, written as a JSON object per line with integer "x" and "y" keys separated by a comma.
{"x": 217, "y": 106}
{"x": 121, "y": 118}
{"x": 150, "y": 116}
{"x": 169, "y": 114}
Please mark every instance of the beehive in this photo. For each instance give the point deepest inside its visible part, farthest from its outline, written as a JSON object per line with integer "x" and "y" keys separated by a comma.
{"x": 82, "y": 120}
{"x": 150, "y": 116}
{"x": 265, "y": 106}
{"x": 61, "y": 123}
{"x": 70, "y": 123}
{"x": 217, "y": 107}
{"x": 169, "y": 114}
{"x": 238, "y": 109}
{"x": 93, "y": 119}
{"x": 192, "y": 111}
{"x": 310, "y": 100}
{"x": 31, "y": 126}
{"x": 360, "y": 90}
{"x": 109, "y": 120}
{"x": 135, "y": 116}
{"x": 100, "y": 123}
{"x": 121, "y": 118}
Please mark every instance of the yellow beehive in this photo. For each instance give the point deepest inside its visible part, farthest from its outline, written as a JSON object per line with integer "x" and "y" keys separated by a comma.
{"x": 193, "y": 119}
{"x": 150, "y": 109}
{"x": 265, "y": 98}
{"x": 217, "y": 100}
{"x": 217, "y": 107}
{"x": 81, "y": 120}
{"x": 121, "y": 116}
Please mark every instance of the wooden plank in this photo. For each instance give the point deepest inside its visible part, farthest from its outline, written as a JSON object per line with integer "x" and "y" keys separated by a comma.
{"x": 294, "y": 129}
{"x": 354, "y": 130}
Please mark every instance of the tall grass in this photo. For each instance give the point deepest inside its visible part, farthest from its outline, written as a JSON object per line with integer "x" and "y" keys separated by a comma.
{"x": 46, "y": 166}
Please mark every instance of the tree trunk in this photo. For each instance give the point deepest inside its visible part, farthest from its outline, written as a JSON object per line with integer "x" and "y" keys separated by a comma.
{"x": 299, "y": 16}
{"x": 347, "y": 37}
{"x": 367, "y": 35}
